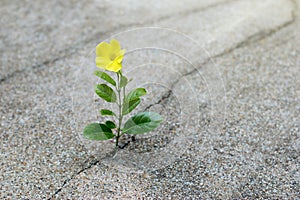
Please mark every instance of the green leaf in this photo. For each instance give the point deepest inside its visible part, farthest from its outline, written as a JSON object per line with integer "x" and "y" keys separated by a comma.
{"x": 142, "y": 122}
{"x": 135, "y": 94}
{"x": 96, "y": 131}
{"x": 129, "y": 106}
{"x": 123, "y": 81}
{"x": 107, "y": 112}
{"x": 105, "y": 77}
{"x": 110, "y": 124}
{"x": 132, "y": 100}
{"x": 106, "y": 93}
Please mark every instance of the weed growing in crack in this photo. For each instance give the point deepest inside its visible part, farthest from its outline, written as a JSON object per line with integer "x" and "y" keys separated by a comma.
{"x": 109, "y": 57}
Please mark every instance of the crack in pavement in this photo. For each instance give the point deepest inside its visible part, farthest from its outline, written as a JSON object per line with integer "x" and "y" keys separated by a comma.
{"x": 66, "y": 51}
{"x": 93, "y": 163}
{"x": 249, "y": 40}
{"x": 45, "y": 63}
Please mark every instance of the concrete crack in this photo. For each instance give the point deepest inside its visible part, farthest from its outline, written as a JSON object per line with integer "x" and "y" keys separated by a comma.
{"x": 45, "y": 63}
{"x": 91, "y": 164}
{"x": 249, "y": 40}
{"x": 66, "y": 51}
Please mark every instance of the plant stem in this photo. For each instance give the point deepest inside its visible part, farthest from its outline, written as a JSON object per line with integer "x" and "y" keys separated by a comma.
{"x": 120, "y": 108}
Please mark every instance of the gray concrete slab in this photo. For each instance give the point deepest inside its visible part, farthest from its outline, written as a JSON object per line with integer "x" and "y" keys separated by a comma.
{"x": 224, "y": 74}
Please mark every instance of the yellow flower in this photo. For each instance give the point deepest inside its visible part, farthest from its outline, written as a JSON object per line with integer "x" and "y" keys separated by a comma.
{"x": 109, "y": 56}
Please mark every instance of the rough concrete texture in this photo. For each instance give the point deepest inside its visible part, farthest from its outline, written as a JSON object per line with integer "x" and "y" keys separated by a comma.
{"x": 224, "y": 74}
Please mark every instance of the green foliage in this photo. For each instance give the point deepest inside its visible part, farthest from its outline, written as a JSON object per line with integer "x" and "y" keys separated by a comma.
{"x": 123, "y": 82}
{"x": 110, "y": 124}
{"x": 107, "y": 112}
{"x": 97, "y": 131}
{"x": 132, "y": 100}
{"x": 142, "y": 122}
{"x": 106, "y": 93}
{"x": 129, "y": 106}
{"x": 136, "y": 93}
{"x": 105, "y": 77}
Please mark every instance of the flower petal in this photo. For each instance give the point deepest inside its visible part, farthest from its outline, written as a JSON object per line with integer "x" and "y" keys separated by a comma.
{"x": 109, "y": 55}
{"x": 115, "y": 45}
{"x": 103, "y": 49}
{"x": 119, "y": 58}
{"x": 102, "y": 62}
{"x": 114, "y": 66}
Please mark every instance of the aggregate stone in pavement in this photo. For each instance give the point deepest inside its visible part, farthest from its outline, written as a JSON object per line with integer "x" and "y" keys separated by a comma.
{"x": 224, "y": 74}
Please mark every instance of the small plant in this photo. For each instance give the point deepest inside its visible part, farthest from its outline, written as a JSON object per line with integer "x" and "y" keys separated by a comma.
{"x": 109, "y": 57}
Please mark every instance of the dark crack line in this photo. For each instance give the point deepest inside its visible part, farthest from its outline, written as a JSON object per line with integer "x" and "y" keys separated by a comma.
{"x": 90, "y": 40}
{"x": 249, "y": 40}
{"x": 66, "y": 52}
{"x": 152, "y": 21}
{"x": 20, "y": 71}
{"x": 193, "y": 11}
{"x": 166, "y": 96}
{"x": 93, "y": 163}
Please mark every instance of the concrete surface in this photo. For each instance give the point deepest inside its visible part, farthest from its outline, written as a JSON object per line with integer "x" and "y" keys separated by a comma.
{"x": 224, "y": 74}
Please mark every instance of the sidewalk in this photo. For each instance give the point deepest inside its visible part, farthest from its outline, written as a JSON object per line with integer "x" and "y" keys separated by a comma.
{"x": 224, "y": 74}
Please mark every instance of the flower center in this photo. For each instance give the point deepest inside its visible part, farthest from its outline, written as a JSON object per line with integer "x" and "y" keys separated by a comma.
{"x": 112, "y": 56}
